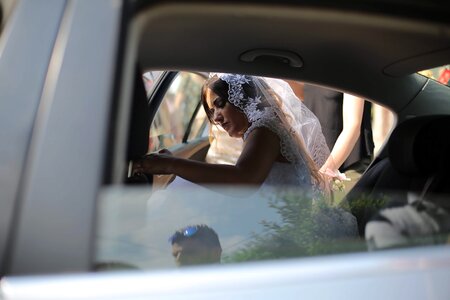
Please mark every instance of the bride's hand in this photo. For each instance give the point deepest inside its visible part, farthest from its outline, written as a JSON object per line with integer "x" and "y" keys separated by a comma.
{"x": 154, "y": 163}
{"x": 335, "y": 178}
{"x": 165, "y": 152}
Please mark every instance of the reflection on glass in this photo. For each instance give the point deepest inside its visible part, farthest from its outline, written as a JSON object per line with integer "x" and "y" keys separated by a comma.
{"x": 195, "y": 245}
{"x": 136, "y": 225}
{"x": 145, "y": 230}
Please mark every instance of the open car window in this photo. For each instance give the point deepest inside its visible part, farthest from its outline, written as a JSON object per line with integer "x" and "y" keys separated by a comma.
{"x": 137, "y": 224}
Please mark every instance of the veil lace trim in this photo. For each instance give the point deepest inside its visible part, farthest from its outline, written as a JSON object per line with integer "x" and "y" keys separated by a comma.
{"x": 289, "y": 150}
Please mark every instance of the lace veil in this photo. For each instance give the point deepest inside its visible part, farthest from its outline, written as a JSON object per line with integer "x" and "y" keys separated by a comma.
{"x": 275, "y": 106}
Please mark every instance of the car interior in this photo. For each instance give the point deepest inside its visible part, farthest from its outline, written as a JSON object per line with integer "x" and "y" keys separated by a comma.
{"x": 357, "y": 49}
{"x": 415, "y": 167}
{"x": 375, "y": 57}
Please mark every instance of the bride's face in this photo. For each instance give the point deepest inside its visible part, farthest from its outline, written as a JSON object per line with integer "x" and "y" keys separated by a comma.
{"x": 231, "y": 119}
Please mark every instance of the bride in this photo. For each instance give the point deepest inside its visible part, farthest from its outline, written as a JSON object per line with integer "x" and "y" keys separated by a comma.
{"x": 283, "y": 142}
{"x": 273, "y": 123}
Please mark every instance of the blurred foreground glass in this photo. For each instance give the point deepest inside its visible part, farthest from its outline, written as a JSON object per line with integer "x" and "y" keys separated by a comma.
{"x": 135, "y": 224}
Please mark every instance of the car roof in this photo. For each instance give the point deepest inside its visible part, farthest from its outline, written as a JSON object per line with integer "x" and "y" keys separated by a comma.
{"x": 356, "y": 49}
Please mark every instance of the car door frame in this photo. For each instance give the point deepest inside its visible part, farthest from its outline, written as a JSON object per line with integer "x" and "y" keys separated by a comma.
{"x": 54, "y": 223}
{"x": 23, "y": 70}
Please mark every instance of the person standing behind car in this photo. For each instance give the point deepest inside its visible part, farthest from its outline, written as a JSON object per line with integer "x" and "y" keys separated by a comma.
{"x": 346, "y": 125}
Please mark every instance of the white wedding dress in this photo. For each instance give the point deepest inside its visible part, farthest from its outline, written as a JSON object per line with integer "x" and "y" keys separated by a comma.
{"x": 334, "y": 222}
{"x": 287, "y": 180}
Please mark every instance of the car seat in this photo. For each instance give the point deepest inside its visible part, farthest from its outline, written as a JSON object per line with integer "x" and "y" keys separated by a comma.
{"x": 416, "y": 166}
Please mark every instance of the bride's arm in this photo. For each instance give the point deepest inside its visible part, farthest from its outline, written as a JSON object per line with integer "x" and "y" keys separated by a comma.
{"x": 261, "y": 149}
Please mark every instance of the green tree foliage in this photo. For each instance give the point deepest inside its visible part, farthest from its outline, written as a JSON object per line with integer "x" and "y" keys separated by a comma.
{"x": 307, "y": 228}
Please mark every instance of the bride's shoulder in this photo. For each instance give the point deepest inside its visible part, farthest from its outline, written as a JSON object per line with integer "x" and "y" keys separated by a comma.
{"x": 261, "y": 133}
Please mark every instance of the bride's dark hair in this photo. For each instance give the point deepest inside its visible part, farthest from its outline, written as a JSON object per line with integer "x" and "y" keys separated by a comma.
{"x": 220, "y": 88}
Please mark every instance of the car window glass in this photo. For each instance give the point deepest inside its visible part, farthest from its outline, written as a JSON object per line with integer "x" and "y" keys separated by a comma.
{"x": 179, "y": 106}
{"x": 200, "y": 126}
{"x": 150, "y": 78}
{"x": 440, "y": 74}
{"x": 136, "y": 226}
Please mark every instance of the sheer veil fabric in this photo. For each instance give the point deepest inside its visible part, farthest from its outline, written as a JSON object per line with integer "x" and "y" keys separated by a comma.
{"x": 276, "y": 107}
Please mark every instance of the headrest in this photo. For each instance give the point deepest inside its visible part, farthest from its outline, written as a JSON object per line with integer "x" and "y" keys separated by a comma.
{"x": 420, "y": 146}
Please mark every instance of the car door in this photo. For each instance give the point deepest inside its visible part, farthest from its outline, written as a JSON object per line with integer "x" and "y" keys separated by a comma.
{"x": 77, "y": 134}
{"x": 58, "y": 66}
{"x": 27, "y": 41}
